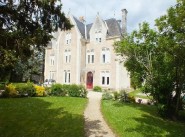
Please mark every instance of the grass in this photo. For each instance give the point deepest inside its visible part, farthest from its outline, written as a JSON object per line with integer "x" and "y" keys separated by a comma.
{"x": 42, "y": 117}
{"x": 134, "y": 120}
{"x": 136, "y": 92}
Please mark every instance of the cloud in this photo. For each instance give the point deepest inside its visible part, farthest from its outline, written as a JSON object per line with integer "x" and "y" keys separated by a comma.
{"x": 138, "y": 10}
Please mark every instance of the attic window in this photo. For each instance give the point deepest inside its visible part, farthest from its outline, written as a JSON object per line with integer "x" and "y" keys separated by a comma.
{"x": 68, "y": 38}
{"x": 98, "y": 36}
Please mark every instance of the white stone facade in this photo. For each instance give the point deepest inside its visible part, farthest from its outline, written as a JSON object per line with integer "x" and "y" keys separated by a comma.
{"x": 85, "y": 55}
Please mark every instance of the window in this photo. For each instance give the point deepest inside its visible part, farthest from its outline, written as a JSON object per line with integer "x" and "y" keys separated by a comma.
{"x": 98, "y": 36}
{"x": 105, "y": 78}
{"x": 67, "y": 56}
{"x": 52, "y": 60}
{"x": 67, "y": 76}
{"x": 68, "y": 38}
{"x": 52, "y": 75}
{"x": 90, "y": 56}
{"x": 105, "y": 55}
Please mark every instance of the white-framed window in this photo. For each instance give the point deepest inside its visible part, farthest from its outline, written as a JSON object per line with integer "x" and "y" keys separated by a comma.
{"x": 90, "y": 56}
{"x": 68, "y": 38}
{"x": 105, "y": 55}
{"x": 52, "y": 60}
{"x": 52, "y": 75}
{"x": 67, "y": 76}
{"x": 98, "y": 36}
{"x": 67, "y": 56}
{"x": 105, "y": 78}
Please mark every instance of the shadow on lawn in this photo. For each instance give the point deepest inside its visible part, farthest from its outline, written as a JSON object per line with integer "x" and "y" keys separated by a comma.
{"x": 93, "y": 128}
{"x": 36, "y": 117}
{"x": 150, "y": 124}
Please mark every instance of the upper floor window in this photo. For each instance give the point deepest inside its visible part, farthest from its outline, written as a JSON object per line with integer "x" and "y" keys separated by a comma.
{"x": 90, "y": 56}
{"x": 105, "y": 78}
{"x": 68, "y": 38}
{"x": 105, "y": 55}
{"x": 52, "y": 60}
{"x": 67, "y": 76}
{"x": 98, "y": 36}
{"x": 67, "y": 56}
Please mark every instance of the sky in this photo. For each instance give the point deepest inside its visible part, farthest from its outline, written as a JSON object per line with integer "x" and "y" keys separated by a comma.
{"x": 138, "y": 10}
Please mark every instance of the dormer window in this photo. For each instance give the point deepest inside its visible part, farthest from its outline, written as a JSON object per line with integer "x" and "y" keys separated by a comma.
{"x": 68, "y": 38}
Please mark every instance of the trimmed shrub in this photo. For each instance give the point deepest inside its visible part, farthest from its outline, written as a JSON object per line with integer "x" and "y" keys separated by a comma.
{"x": 40, "y": 91}
{"x": 57, "y": 90}
{"x": 97, "y": 89}
{"x": 10, "y": 91}
{"x": 76, "y": 90}
{"x": 107, "y": 96}
{"x": 25, "y": 89}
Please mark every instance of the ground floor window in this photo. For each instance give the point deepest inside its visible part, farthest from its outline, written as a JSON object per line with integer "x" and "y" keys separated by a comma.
{"x": 52, "y": 75}
{"x": 105, "y": 78}
{"x": 67, "y": 76}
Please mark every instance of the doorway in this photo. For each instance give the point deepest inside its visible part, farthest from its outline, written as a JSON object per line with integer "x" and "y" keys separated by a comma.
{"x": 89, "y": 82}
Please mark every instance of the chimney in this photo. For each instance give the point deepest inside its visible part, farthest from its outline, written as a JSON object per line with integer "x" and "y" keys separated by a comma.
{"x": 124, "y": 21}
{"x": 81, "y": 18}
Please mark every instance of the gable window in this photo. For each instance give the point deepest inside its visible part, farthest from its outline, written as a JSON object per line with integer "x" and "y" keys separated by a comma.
{"x": 52, "y": 60}
{"x": 105, "y": 55}
{"x": 68, "y": 38}
{"x": 67, "y": 56}
{"x": 90, "y": 56}
{"x": 105, "y": 78}
{"x": 98, "y": 36}
{"x": 67, "y": 76}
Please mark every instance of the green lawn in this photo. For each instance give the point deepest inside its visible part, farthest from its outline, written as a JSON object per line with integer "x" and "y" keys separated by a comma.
{"x": 136, "y": 93}
{"x": 42, "y": 117}
{"x": 134, "y": 120}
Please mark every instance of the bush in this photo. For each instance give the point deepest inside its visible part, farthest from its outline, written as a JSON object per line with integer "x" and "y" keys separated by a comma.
{"x": 131, "y": 99}
{"x": 75, "y": 90}
{"x": 10, "y": 91}
{"x": 125, "y": 97}
{"x": 162, "y": 110}
{"x": 97, "y": 89}
{"x": 116, "y": 95}
{"x": 25, "y": 89}
{"x": 57, "y": 90}
{"x": 40, "y": 91}
{"x": 83, "y": 91}
{"x": 2, "y": 86}
{"x": 107, "y": 96}
{"x": 47, "y": 90}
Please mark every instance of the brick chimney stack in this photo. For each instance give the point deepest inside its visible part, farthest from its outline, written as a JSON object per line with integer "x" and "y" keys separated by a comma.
{"x": 124, "y": 21}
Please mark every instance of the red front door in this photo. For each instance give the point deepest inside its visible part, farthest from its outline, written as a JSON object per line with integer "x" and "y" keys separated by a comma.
{"x": 89, "y": 80}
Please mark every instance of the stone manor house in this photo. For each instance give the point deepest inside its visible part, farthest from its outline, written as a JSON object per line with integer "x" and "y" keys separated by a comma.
{"x": 85, "y": 54}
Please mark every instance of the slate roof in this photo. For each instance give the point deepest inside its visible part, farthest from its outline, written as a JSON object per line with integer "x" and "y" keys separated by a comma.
{"x": 114, "y": 28}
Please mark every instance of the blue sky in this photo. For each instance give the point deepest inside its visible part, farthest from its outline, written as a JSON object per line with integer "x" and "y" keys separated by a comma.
{"x": 138, "y": 10}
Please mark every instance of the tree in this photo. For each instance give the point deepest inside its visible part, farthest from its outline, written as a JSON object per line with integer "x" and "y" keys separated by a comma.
{"x": 172, "y": 40}
{"x": 25, "y": 24}
{"x": 158, "y": 58}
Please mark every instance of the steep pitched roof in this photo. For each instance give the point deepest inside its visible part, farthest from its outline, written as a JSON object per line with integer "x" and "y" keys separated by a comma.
{"x": 80, "y": 26}
{"x": 114, "y": 28}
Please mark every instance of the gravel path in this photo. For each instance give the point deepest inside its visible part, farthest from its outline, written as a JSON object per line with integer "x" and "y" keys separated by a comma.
{"x": 95, "y": 126}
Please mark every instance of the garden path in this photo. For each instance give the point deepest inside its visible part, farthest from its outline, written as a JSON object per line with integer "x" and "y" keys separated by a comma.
{"x": 95, "y": 125}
